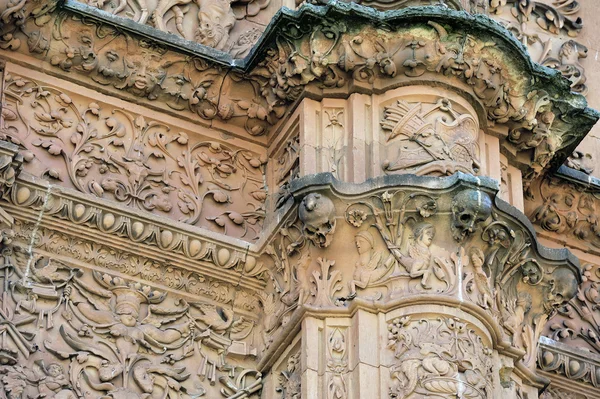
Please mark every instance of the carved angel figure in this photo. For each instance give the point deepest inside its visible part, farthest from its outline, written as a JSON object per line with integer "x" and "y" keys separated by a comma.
{"x": 418, "y": 262}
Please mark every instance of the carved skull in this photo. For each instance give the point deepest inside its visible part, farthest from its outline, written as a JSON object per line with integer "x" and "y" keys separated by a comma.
{"x": 317, "y": 214}
{"x": 562, "y": 287}
{"x": 469, "y": 209}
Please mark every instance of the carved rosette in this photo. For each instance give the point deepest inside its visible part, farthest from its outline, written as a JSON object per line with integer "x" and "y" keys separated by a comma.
{"x": 418, "y": 241}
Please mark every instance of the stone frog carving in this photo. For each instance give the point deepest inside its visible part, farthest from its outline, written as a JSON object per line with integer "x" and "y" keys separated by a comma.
{"x": 317, "y": 214}
{"x": 469, "y": 209}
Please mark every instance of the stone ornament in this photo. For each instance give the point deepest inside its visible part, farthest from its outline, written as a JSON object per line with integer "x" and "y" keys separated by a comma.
{"x": 316, "y": 213}
{"x": 427, "y": 143}
{"x": 561, "y": 207}
{"x": 117, "y": 338}
{"x": 406, "y": 247}
{"x": 111, "y": 153}
{"x": 438, "y": 357}
{"x": 206, "y": 91}
{"x": 212, "y": 26}
{"x": 470, "y": 208}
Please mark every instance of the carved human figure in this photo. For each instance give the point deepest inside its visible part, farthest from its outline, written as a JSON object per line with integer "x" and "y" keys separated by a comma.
{"x": 215, "y": 21}
{"x": 482, "y": 281}
{"x": 54, "y": 384}
{"x": 418, "y": 262}
{"x": 125, "y": 326}
{"x": 513, "y": 314}
{"x": 142, "y": 80}
{"x": 370, "y": 266}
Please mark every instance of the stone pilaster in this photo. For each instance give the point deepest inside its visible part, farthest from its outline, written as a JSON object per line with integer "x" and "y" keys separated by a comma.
{"x": 408, "y": 287}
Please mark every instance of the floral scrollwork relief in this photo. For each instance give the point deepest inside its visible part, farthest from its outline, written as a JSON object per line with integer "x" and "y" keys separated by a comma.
{"x": 133, "y": 160}
{"x": 212, "y": 25}
{"x": 560, "y": 207}
{"x": 441, "y": 357}
{"x": 88, "y": 334}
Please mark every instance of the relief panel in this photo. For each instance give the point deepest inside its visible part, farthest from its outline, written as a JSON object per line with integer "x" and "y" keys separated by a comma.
{"x": 79, "y": 333}
{"x": 429, "y": 139}
{"x": 101, "y": 149}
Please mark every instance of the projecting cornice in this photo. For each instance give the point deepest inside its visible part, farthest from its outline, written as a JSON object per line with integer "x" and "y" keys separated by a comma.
{"x": 317, "y": 51}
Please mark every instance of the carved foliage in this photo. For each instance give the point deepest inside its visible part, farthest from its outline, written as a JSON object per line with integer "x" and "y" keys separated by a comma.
{"x": 564, "y": 208}
{"x": 106, "y": 336}
{"x": 134, "y": 160}
{"x": 441, "y": 357}
{"x": 578, "y": 322}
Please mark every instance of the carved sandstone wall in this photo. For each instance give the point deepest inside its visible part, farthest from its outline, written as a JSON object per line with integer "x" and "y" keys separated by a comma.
{"x": 231, "y": 199}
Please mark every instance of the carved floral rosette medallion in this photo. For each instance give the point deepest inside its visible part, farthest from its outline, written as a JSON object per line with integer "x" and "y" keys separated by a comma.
{"x": 401, "y": 241}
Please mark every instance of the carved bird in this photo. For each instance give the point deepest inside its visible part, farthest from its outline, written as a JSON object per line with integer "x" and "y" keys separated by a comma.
{"x": 46, "y": 270}
{"x": 215, "y": 317}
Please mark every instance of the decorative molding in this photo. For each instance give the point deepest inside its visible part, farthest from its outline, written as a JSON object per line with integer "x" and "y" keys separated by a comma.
{"x": 576, "y": 364}
{"x": 279, "y": 70}
{"x": 99, "y": 149}
{"x": 212, "y": 27}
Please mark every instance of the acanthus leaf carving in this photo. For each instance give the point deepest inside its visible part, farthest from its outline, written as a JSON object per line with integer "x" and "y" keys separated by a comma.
{"x": 133, "y": 160}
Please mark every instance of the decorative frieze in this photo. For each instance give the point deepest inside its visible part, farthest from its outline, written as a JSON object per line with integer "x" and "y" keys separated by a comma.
{"x": 88, "y": 334}
{"x": 349, "y": 57}
{"x": 99, "y": 149}
{"x": 414, "y": 243}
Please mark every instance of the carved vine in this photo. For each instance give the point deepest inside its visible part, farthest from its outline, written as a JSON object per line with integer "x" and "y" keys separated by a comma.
{"x": 106, "y": 336}
{"x": 133, "y": 160}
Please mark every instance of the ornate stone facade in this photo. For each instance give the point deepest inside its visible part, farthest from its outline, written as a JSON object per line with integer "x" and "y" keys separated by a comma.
{"x": 235, "y": 199}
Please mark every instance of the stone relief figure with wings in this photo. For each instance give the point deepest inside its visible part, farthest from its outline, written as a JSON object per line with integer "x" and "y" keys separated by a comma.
{"x": 436, "y": 142}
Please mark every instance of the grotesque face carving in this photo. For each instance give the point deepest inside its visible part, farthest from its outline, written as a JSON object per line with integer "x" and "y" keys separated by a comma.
{"x": 317, "y": 214}
{"x": 562, "y": 287}
{"x": 469, "y": 209}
